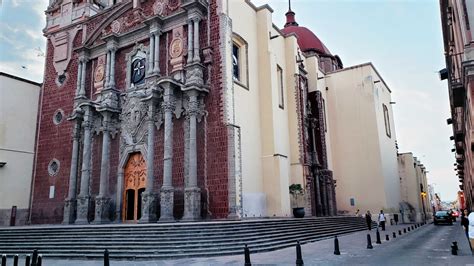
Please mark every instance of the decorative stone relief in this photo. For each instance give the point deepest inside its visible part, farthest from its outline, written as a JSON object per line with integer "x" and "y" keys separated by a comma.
{"x": 99, "y": 73}
{"x": 134, "y": 110}
{"x": 116, "y": 26}
{"x": 62, "y": 43}
{"x": 53, "y": 167}
{"x": 159, "y": 7}
{"x": 176, "y": 49}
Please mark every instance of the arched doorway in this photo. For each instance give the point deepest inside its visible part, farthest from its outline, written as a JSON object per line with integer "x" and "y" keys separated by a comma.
{"x": 134, "y": 186}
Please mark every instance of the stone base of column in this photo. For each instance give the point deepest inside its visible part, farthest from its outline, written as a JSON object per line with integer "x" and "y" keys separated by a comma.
{"x": 166, "y": 203}
{"x": 192, "y": 204}
{"x": 83, "y": 204}
{"x": 69, "y": 211}
{"x": 102, "y": 210}
{"x": 149, "y": 201}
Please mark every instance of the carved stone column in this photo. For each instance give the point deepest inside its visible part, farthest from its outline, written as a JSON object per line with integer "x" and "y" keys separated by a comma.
{"x": 192, "y": 193}
{"x": 167, "y": 190}
{"x": 149, "y": 197}
{"x": 70, "y": 202}
{"x": 83, "y": 200}
{"x": 78, "y": 81}
{"x": 102, "y": 201}
{"x": 324, "y": 209}
{"x": 190, "y": 41}
{"x": 196, "y": 57}
{"x": 112, "y": 67}
{"x": 151, "y": 60}
{"x": 156, "y": 67}
{"x": 107, "y": 69}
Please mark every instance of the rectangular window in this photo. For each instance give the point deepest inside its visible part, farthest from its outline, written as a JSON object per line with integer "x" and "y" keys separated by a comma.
{"x": 281, "y": 100}
{"x": 386, "y": 117}
{"x": 235, "y": 61}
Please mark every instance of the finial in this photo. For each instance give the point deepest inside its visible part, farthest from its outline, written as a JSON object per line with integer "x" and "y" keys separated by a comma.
{"x": 289, "y": 5}
{"x": 290, "y": 16}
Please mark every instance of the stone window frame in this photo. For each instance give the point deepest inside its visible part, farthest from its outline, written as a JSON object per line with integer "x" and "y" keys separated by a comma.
{"x": 281, "y": 90}
{"x": 51, "y": 171}
{"x": 243, "y": 59}
{"x": 139, "y": 51}
{"x": 58, "y": 83}
{"x": 386, "y": 117}
{"x": 56, "y": 121}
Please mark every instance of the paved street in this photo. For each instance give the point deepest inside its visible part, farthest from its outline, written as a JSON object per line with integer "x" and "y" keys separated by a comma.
{"x": 428, "y": 245}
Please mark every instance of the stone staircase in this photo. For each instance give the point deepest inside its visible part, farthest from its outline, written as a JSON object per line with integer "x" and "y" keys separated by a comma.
{"x": 172, "y": 240}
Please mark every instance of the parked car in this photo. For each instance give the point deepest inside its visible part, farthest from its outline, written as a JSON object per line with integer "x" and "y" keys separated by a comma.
{"x": 443, "y": 217}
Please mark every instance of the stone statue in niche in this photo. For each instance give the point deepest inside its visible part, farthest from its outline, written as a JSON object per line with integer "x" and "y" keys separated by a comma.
{"x": 99, "y": 74}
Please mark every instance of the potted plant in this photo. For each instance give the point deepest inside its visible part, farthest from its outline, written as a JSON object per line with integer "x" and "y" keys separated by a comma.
{"x": 297, "y": 200}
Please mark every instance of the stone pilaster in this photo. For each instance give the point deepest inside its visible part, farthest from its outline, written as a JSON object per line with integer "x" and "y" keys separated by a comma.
{"x": 190, "y": 41}
{"x": 196, "y": 56}
{"x": 83, "y": 200}
{"x": 102, "y": 201}
{"x": 167, "y": 190}
{"x": 149, "y": 197}
{"x": 70, "y": 202}
{"x": 323, "y": 190}
{"x": 192, "y": 193}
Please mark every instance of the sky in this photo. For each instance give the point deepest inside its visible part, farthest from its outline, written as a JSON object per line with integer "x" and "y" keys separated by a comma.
{"x": 402, "y": 38}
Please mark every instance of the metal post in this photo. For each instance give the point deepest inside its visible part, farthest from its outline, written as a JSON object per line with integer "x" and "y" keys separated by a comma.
{"x": 299, "y": 257}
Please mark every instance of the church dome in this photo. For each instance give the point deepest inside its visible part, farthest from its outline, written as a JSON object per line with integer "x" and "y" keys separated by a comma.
{"x": 307, "y": 40}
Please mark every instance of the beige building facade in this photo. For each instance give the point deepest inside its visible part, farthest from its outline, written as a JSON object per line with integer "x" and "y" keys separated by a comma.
{"x": 18, "y": 114}
{"x": 416, "y": 203}
{"x": 363, "y": 140}
{"x": 359, "y": 135}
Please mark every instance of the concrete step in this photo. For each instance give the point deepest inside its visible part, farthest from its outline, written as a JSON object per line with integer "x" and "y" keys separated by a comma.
{"x": 172, "y": 240}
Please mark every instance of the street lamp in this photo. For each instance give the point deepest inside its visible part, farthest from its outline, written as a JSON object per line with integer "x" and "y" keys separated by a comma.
{"x": 423, "y": 195}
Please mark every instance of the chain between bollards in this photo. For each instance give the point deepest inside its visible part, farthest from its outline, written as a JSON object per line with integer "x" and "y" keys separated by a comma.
{"x": 336, "y": 246}
{"x": 369, "y": 242}
{"x": 299, "y": 258}
{"x": 247, "y": 256}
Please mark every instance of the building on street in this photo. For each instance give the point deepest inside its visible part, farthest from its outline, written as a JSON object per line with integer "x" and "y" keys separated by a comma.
{"x": 18, "y": 115}
{"x": 456, "y": 18}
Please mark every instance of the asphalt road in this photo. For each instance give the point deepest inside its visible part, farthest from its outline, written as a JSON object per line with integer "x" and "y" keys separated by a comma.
{"x": 427, "y": 245}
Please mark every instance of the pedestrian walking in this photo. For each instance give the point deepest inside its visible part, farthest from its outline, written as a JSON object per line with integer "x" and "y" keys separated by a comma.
{"x": 395, "y": 218}
{"x": 382, "y": 220}
{"x": 368, "y": 219}
{"x": 465, "y": 224}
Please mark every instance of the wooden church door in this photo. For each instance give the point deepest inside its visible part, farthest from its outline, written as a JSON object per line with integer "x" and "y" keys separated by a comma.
{"x": 134, "y": 186}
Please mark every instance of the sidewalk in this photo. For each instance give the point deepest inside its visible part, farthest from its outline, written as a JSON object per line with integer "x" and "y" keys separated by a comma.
{"x": 407, "y": 249}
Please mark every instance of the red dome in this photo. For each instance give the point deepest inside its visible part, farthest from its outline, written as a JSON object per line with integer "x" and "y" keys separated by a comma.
{"x": 307, "y": 40}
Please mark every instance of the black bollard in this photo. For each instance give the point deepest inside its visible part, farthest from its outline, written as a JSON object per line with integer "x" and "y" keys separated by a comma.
{"x": 404, "y": 230}
{"x": 378, "y": 237}
{"x": 409, "y": 229}
{"x": 4, "y": 260}
{"x": 27, "y": 260}
{"x": 454, "y": 250}
{"x": 39, "y": 260}
{"x": 412, "y": 227}
{"x": 299, "y": 258}
{"x": 336, "y": 246}
{"x": 394, "y": 235}
{"x": 106, "y": 258}
{"x": 247, "y": 256}
{"x": 369, "y": 242}
{"x": 455, "y": 245}
{"x": 387, "y": 238}
{"x": 399, "y": 232}
{"x": 15, "y": 260}
{"x": 34, "y": 257}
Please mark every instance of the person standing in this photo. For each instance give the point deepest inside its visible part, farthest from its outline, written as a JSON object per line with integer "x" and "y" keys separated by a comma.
{"x": 382, "y": 220}
{"x": 471, "y": 229}
{"x": 465, "y": 222}
{"x": 368, "y": 220}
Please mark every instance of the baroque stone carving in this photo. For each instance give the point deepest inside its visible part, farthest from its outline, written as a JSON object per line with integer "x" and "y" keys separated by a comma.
{"x": 133, "y": 115}
{"x": 53, "y": 167}
{"x": 176, "y": 49}
{"x": 159, "y": 7}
